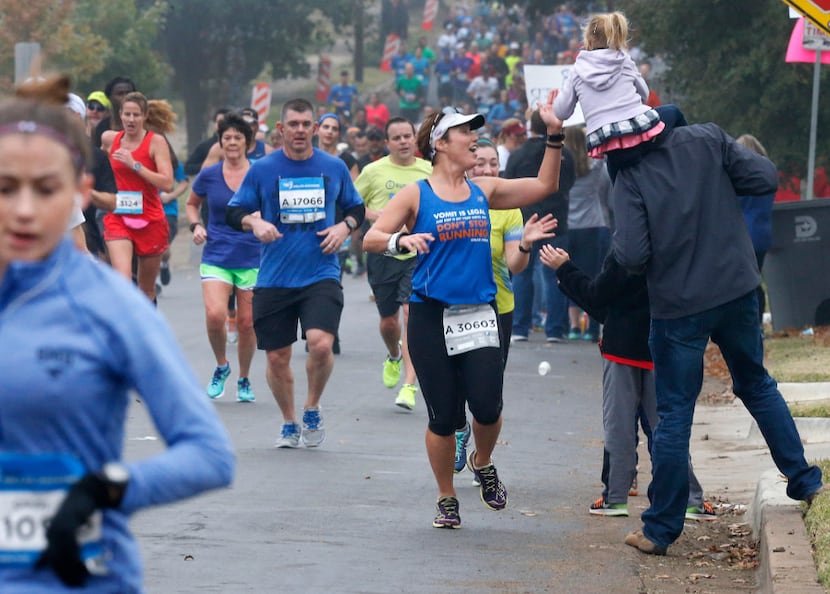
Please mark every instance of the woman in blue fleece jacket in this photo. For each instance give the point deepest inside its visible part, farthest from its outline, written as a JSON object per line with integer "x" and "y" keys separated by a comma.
{"x": 75, "y": 340}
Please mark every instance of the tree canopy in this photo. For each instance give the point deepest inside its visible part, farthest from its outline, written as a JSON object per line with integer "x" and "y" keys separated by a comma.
{"x": 726, "y": 64}
{"x": 217, "y": 47}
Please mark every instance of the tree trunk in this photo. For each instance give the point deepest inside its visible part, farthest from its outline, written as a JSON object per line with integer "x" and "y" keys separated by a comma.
{"x": 359, "y": 31}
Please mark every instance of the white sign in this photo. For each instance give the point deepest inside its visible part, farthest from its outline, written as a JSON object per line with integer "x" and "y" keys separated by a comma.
{"x": 540, "y": 80}
{"x": 814, "y": 38}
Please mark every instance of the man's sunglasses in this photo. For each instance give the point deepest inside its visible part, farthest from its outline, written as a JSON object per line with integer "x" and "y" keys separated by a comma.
{"x": 95, "y": 107}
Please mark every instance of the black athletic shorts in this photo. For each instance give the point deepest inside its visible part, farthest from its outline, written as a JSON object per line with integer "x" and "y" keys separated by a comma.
{"x": 276, "y": 312}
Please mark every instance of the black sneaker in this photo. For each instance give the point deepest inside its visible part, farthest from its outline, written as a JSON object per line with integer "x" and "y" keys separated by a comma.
{"x": 164, "y": 273}
{"x": 492, "y": 491}
{"x": 447, "y": 516}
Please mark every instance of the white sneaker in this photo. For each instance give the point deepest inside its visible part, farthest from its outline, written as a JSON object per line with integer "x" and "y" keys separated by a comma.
{"x": 313, "y": 431}
{"x": 290, "y": 436}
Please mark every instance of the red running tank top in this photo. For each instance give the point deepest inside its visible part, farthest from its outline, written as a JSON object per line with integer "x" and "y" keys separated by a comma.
{"x": 128, "y": 180}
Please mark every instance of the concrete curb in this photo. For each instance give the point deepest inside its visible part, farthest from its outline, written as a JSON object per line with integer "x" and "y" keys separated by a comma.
{"x": 785, "y": 554}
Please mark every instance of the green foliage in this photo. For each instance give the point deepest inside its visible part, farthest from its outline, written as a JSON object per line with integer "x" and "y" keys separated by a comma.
{"x": 217, "y": 47}
{"x": 726, "y": 65}
{"x": 131, "y": 36}
{"x": 817, "y": 523}
{"x": 90, "y": 40}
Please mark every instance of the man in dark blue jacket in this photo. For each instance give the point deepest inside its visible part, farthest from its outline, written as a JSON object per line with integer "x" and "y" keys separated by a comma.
{"x": 678, "y": 219}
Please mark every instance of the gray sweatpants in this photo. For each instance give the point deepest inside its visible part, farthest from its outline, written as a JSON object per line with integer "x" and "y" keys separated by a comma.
{"x": 624, "y": 389}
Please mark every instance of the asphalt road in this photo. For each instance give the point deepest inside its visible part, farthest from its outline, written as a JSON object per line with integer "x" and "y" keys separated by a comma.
{"x": 355, "y": 515}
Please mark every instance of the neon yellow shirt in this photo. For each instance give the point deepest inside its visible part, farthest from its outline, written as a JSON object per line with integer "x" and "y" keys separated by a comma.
{"x": 505, "y": 225}
{"x": 382, "y": 179}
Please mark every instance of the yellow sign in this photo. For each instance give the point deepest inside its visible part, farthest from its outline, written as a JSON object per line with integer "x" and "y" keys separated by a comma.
{"x": 817, "y": 11}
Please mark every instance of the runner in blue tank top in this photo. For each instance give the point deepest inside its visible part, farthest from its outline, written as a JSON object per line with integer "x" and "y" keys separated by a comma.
{"x": 453, "y": 329}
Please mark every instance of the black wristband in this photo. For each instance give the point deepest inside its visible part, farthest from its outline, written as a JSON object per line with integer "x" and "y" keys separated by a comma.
{"x": 556, "y": 137}
{"x": 401, "y": 250}
{"x": 193, "y": 226}
{"x": 521, "y": 249}
{"x": 553, "y": 146}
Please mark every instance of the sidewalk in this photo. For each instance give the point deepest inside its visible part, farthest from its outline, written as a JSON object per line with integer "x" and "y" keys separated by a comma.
{"x": 730, "y": 454}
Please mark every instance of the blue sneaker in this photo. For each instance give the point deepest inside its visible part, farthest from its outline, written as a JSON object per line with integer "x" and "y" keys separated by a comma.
{"x": 244, "y": 393}
{"x": 491, "y": 490}
{"x": 313, "y": 431}
{"x": 216, "y": 387}
{"x": 461, "y": 439}
{"x": 289, "y": 436}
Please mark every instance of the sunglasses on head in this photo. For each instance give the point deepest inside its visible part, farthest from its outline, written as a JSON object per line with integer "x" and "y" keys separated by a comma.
{"x": 95, "y": 107}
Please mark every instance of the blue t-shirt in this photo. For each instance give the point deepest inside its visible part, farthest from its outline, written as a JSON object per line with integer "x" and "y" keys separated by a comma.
{"x": 258, "y": 151}
{"x": 225, "y": 247}
{"x": 458, "y": 269}
{"x": 299, "y": 198}
{"x": 344, "y": 93}
{"x": 172, "y": 207}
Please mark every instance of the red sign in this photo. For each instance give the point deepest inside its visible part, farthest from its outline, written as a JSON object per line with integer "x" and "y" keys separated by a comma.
{"x": 430, "y": 12}
{"x": 261, "y": 100}
{"x": 818, "y": 11}
{"x": 393, "y": 42}
{"x": 323, "y": 79}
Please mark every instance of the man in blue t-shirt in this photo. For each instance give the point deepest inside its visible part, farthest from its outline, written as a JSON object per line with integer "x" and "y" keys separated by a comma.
{"x": 341, "y": 97}
{"x": 287, "y": 199}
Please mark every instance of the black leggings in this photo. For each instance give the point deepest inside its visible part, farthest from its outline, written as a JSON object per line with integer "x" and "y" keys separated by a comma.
{"x": 474, "y": 377}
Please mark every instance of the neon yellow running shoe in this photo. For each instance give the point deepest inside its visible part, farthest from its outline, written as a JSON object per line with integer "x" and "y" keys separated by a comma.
{"x": 392, "y": 372}
{"x": 406, "y": 397}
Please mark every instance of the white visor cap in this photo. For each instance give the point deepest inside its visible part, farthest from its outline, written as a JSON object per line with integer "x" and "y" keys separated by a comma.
{"x": 452, "y": 120}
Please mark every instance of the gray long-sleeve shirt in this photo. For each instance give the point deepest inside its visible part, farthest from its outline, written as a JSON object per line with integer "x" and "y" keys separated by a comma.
{"x": 679, "y": 219}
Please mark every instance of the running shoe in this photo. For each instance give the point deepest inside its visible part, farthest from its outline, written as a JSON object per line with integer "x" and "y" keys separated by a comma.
{"x": 289, "y": 436}
{"x": 406, "y": 397}
{"x": 574, "y": 334}
{"x": 491, "y": 490}
{"x": 313, "y": 431}
{"x": 447, "y": 516}
{"x": 164, "y": 273}
{"x": 244, "y": 393}
{"x": 601, "y": 508}
{"x": 391, "y": 372}
{"x": 633, "y": 491}
{"x": 518, "y": 338}
{"x": 553, "y": 339}
{"x": 701, "y": 513}
{"x": 232, "y": 331}
{"x": 216, "y": 387}
{"x": 461, "y": 439}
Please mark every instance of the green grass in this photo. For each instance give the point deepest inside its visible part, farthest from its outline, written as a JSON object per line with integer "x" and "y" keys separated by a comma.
{"x": 796, "y": 358}
{"x": 811, "y": 409}
{"x": 817, "y": 522}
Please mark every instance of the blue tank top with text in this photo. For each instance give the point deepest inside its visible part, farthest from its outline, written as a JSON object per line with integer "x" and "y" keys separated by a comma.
{"x": 458, "y": 268}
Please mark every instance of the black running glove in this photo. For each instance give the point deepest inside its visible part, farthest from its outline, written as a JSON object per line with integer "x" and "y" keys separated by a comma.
{"x": 63, "y": 553}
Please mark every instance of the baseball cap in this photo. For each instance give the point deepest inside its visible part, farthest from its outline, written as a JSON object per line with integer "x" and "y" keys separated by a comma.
{"x": 100, "y": 97}
{"x": 515, "y": 128}
{"x": 515, "y": 45}
{"x": 452, "y": 120}
{"x": 76, "y": 105}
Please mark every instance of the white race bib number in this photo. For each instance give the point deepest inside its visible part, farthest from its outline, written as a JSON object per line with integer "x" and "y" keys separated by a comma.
{"x": 131, "y": 203}
{"x": 302, "y": 200}
{"x": 470, "y": 327}
{"x": 32, "y": 488}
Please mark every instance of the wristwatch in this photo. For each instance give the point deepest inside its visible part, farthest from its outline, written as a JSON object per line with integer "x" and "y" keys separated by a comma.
{"x": 349, "y": 224}
{"x": 116, "y": 476}
{"x": 137, "y": 166}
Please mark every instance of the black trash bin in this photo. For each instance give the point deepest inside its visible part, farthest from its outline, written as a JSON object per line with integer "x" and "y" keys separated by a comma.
{"x": 797, "y": 266}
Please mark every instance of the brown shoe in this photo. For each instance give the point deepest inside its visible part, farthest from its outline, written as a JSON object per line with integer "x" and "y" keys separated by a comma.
{"x": 639, "y": 541}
